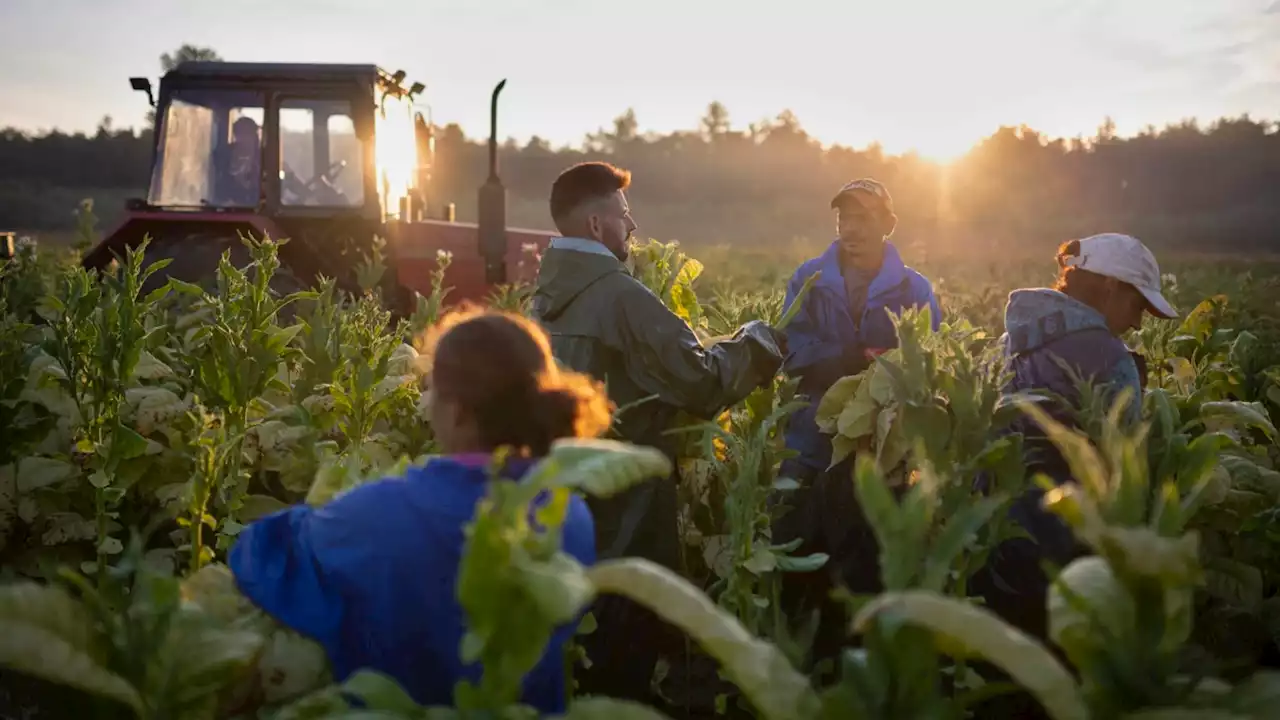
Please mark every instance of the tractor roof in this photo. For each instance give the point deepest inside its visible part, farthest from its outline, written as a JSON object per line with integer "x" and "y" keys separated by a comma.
{"x": 288, "y": 73}
{"x": 321, "y": 72}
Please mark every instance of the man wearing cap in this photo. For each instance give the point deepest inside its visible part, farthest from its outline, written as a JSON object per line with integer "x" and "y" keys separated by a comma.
{"x": 843, "y": 324}
{"x": 1105, "y": 284}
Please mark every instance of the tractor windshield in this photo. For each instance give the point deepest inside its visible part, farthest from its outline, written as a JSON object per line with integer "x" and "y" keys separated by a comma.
{"x": 210, "y": 150}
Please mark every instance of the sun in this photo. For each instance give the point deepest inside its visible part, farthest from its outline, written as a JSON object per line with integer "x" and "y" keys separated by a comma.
{"x": 944, "y": 149}
{"x": 942, "y": 145}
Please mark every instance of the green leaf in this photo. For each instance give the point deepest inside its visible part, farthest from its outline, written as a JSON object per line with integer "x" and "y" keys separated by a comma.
{"x": 1088, "y": 608}
{"x": 979, "y": 632}
{"x": 38, "y": 472}
{"x": 760, "y": 670}
{"x": 807, "y": 563}
{"x": 601, "y": 467}
{"x": 1185, "y": 713}
{"x": 1258, "y": 696}
{"x": 930, "y": 423}
{"x": 841, "y": 448}
{"x": 601, "y": 708}
{"x": 1086, "y": 465}
{"x": 955, "y": 535}
{"x": 1234, "y": 582}
{"x": 281, "y": 337}
{"x": 1239, "y": 414}
{"x": 859, "y": 414}
{"x": 127, "y": 444}
{"x": 196, "y": 660}
{"x": 762, "y": 560}
{"x": 46, "y": 633}
{"x": 380, "y": 692}
{"x": 785, "y": 484}
{"x": 834, "y": 400}
{"x": 559, "y": 587}
{"x": 257, "y": 506}
{"x": 186, "y": 288}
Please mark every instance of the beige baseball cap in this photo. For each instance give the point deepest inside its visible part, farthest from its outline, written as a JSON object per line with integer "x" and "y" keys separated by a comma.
{"x": 1125, "y": 258}
{"x": 871, "y": 193}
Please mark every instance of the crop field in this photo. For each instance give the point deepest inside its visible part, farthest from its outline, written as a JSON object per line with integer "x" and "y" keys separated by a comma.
{"x": 141, "y": 433}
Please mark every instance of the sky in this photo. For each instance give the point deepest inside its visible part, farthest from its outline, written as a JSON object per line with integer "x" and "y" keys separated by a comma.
{"x": 930, "y": 75}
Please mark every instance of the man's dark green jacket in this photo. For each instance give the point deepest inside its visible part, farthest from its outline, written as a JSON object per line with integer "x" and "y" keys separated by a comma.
{"x": 605, "y": 323}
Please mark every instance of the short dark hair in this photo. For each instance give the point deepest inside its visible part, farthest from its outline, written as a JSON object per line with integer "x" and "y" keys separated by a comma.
{"x": 498, "y": 366}
{"x": 582, "y": 182}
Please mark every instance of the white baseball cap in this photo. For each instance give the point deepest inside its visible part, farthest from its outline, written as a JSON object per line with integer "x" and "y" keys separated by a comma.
{"x": 1125, "y": 258}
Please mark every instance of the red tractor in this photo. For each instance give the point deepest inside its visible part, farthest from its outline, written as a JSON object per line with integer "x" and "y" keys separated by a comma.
{"x": 328, "y": 156}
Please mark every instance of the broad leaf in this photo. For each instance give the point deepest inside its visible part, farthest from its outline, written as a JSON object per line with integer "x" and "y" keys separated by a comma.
{"x": 980, "y": 633}
{"x": 47, "y": 633}
{"x": 759, "y": 669}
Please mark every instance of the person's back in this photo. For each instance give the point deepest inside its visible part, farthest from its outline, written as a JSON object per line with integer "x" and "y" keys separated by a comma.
{"x": 1052, "y": 341}
{"x": 372, "y": 577}
{"x": 1055, "y": 337}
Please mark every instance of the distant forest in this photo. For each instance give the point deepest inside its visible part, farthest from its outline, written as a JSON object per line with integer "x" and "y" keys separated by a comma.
{"x": 1186, "y": 186}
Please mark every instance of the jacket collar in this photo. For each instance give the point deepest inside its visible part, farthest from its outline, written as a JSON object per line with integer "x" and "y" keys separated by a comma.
{"x": 579, "y": 245}
{"x": 891, "y": 274}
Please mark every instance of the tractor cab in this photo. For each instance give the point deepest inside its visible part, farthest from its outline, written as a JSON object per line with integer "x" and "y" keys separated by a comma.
{"x": 328, "y": 156}
{"x": 217, "y": 152}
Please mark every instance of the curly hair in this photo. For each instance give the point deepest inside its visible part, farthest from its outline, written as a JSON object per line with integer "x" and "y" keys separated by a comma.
{"x": 1086, "y": 286}
{"x": 499, "y": 368}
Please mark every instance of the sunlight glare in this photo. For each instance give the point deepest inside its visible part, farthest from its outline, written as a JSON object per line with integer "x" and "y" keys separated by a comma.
{"x": 396, "y": 153}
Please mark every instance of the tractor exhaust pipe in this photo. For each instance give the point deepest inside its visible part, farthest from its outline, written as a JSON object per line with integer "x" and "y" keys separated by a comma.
{"x": 492, "y": 216}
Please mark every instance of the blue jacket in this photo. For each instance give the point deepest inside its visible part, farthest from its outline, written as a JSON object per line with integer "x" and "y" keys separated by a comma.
{"x": 1043, "y": 327}
{"x": 372, "y": 576}
{"x": 825, "y": 343}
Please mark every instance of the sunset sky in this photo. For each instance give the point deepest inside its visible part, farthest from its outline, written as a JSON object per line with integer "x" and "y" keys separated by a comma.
{"x": 925, "y": 74}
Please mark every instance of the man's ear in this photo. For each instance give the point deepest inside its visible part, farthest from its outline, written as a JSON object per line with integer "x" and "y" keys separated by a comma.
{"x": 888, "y": 224}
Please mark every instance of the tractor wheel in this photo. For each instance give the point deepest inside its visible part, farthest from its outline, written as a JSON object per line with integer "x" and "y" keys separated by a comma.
{"x": 195, "y": 260}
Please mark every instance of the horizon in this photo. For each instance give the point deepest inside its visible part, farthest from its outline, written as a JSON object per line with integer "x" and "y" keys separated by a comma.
{"x": 935, "y": 83}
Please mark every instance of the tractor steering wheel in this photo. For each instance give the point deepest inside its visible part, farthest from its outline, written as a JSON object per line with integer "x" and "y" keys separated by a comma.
{"x": 328, "y": 176}
{"x": 313, "y": 187}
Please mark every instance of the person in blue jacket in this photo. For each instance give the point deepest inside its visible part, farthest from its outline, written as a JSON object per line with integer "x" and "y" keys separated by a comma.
{"x": 372, "y": 575}
{"x": 843, "y": 324}
{"x": 1105, "y": 284}
{"x": 845, "y": 320}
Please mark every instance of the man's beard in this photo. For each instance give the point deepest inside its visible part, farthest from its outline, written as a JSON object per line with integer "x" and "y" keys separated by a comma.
{"x": 623, "y": 250}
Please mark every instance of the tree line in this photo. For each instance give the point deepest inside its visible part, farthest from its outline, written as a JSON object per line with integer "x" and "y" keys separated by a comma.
{"x": 1184, "y": 186}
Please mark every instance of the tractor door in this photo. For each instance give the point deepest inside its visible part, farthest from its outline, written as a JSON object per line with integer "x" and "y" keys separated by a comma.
{"x": 324, "y": 196}
{"x": 209, "y": 150}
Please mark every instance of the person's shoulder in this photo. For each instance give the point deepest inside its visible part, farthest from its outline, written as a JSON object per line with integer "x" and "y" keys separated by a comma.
{"x": 919, "y": 286}
{"x": 626, "y": 295}
{"x": 809, "y": 267}
{"x": 916, "y": 277}
{"x": 625, "y": 284}
{"x": 1094, "y": 351}
{"x": 448, "y": 483}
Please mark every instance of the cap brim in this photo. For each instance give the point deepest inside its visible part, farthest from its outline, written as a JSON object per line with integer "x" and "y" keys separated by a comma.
{"x": 858, "y": 195}
{"x": 1158, "y": 306}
